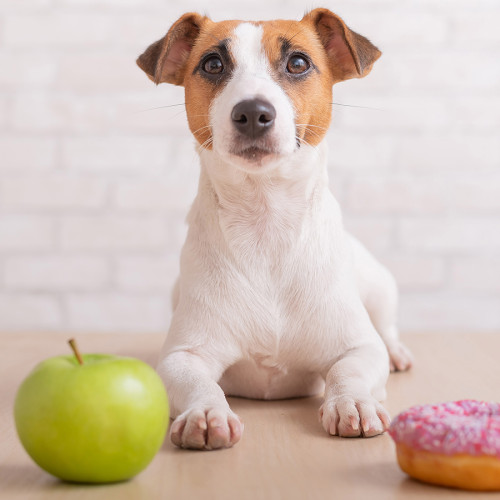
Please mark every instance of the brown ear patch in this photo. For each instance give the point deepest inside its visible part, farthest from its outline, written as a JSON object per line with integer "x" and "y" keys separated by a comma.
{"x": 351, "y": 54}
{"x": 165, "y": 60}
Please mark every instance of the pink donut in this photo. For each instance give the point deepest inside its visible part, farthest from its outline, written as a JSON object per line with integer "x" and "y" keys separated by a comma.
{"x": 453, "y": 444}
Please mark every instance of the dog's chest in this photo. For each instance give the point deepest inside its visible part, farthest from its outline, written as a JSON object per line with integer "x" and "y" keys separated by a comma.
{"x": 279, "y": 253}
{"x": 287, "y": 293}
{"x": 261, "y": 225}
{"x": 297, "y": 303}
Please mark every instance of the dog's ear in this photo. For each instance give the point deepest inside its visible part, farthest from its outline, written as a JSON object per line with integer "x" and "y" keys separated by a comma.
{"x": 165, "y": 60}
{"x": 351, "y": 55}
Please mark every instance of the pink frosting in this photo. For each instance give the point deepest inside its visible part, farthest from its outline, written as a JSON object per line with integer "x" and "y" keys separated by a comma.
{"x": 470, "y": 427}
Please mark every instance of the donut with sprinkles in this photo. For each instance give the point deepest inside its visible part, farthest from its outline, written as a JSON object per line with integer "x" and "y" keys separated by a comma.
{"x": 454, "y": 444}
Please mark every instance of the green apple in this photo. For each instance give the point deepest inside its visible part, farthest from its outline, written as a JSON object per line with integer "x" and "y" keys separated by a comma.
{"x": 94, "y": 418}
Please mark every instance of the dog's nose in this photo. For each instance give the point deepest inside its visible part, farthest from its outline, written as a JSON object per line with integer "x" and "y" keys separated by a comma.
{"x": 253, "y": 117}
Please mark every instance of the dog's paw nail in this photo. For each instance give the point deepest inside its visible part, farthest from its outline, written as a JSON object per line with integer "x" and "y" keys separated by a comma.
{"x": 354, "y": 423}
{"x": 176, "y": 427}
{"x": 215, "y": 424}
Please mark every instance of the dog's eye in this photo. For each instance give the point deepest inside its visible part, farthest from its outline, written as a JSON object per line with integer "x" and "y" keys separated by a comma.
{"x": 297, "y": 64}
{"x": 213, "y": 65}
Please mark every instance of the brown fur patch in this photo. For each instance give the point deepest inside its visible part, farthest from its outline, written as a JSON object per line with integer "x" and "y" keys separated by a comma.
{"x": 311, "y": 95}
{"x": 199, "y": 92}
{"x": 351, "y": 55}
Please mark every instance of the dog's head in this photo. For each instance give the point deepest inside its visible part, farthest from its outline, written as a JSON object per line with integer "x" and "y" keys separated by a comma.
{"x": 256, "y": 92}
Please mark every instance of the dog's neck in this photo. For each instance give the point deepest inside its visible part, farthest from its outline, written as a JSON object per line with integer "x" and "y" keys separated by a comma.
{"x": 295, "y": 178}
{"x": 262, "y": 212}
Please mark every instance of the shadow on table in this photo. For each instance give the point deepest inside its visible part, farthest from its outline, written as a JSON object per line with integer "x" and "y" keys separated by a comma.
{"x": 18, "y": 481}
{"x": 385, "y": 477}
{"x": 298, "y": 413}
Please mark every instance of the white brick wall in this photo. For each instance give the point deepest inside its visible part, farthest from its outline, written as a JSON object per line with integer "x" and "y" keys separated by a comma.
{"x": 95, "y": 184}
{"x": 26, "y": 153}
{"x": 113, "y": 232}
{"x": 52, "y": 191}
{"x": 26, "y": 233}
{"x": 116, "y": 312}
{"x": 56, "y": 273}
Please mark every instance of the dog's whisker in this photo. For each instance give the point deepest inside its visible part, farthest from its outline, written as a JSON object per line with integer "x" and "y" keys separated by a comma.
{"x": 207, "y": 143}
{"x": 355, "y": 106}
{"x": 303, "y": 141}
{"x": 307, "y": 130}
{"x": 288, "y": 29}
{"x": 160, "y": 107}
{"x": 310, "y": 125}
{"x": 201, "y": 128}
{"x": 291, "y": 38}
{"x": 181, "y": 113}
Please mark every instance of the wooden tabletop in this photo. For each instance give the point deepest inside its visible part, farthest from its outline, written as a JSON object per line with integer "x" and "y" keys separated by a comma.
{"x": 284, "y": 453}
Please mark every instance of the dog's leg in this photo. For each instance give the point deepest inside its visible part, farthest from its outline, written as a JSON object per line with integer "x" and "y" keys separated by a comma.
{"x": 379, "y": 293}
{"x": 354, "y": 384}
{"x": 400, "y": 356}
{"x": 204, "y": 419}
{"x": 381, "y": 302}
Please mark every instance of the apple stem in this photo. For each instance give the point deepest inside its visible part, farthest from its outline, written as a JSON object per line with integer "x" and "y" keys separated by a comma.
{"x": 72, "y": 343}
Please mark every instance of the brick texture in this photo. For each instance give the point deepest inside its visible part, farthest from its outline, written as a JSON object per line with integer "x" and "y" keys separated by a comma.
{"x": 56, "y": 273}
{"x": 98, "y": 169}
{"x": 51, "y": 191}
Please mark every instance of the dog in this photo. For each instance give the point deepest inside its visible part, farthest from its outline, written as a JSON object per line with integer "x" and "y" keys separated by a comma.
{"x": 275, "y": 299}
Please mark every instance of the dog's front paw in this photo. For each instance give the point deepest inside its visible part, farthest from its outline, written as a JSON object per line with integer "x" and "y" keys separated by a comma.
{"x": 208, "y": 429}
{"x": 352, "y": 417}
{"x": 400, "y": 356}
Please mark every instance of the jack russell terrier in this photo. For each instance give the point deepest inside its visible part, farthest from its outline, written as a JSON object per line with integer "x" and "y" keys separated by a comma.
{"x": 274, "y": 299}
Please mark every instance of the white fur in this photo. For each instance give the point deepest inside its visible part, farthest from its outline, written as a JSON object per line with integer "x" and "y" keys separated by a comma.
{"x": 269, "y": 303}
{"x": 251, "y": 79}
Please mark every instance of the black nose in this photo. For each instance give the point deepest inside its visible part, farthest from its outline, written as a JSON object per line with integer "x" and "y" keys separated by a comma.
{"x": 253, "y": 117}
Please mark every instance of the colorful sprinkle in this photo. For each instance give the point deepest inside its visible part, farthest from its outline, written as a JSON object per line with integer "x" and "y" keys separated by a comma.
{"x": 468, "y": 426}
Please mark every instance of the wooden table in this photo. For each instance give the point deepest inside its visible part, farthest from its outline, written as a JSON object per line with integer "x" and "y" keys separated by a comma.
{"x": 284, "y": 453}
